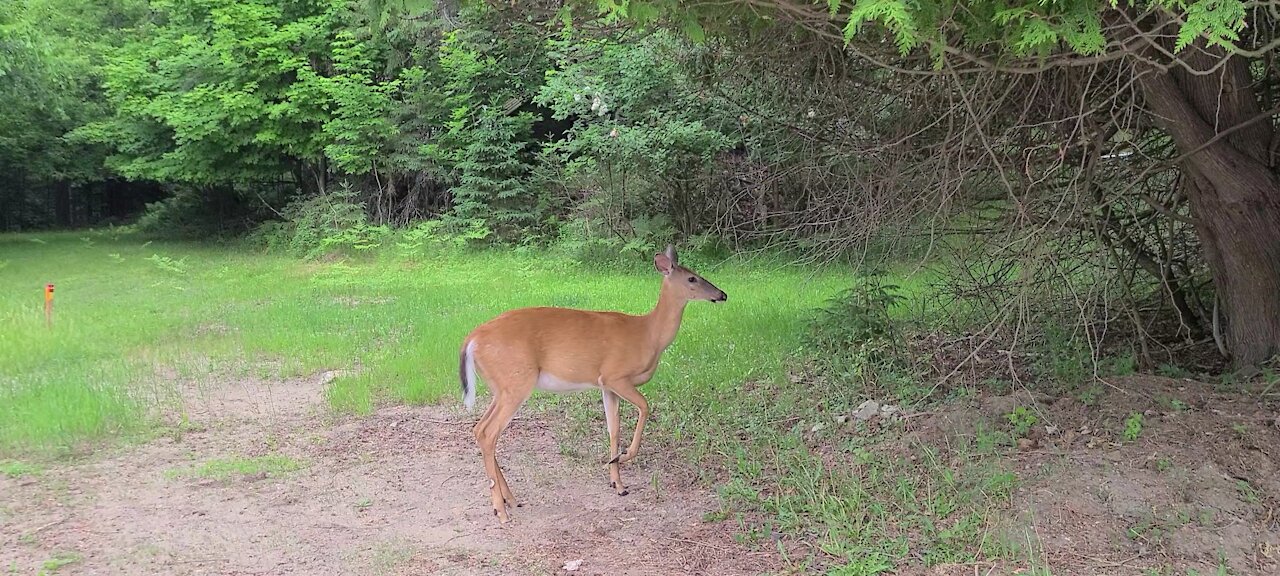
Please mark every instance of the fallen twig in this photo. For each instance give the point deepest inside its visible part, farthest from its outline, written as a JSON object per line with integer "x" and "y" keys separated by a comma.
{"x": 50, "y": 525}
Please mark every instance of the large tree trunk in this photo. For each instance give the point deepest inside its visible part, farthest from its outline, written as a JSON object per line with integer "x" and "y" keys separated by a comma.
{"x": 1233, "y": 190}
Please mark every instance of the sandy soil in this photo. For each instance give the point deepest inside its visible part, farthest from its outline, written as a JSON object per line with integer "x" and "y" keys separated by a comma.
{"x": 399, "y": 492}
{"x": 1197, "y": 492}
{"x": 403, "y": 492}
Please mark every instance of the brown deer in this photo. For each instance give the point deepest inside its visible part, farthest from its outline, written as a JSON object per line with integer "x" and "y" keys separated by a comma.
{"x": 566, "y": 350}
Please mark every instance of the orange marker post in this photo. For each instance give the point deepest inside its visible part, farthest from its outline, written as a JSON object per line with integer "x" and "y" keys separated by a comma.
{"x": 48, "y": 305}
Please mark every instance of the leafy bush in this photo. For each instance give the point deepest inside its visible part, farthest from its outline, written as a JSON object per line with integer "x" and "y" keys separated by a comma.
{"x": 597, "y": 247}
{"x": 1133, "y": 426}
{"x": 333, "y": 222}
{"x": 1021, "y": 419}
{"x": 195, "y": 212}
{"x": 643, "y": 142}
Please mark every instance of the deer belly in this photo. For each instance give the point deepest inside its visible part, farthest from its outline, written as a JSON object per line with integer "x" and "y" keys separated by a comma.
{"x": 550, "y": 383}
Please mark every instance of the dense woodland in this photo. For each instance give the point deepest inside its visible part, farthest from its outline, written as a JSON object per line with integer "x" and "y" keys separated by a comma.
{"x": 1114, "y": 167}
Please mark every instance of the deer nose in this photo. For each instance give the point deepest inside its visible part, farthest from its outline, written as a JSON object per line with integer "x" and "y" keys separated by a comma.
{"x": 723, "y": 297}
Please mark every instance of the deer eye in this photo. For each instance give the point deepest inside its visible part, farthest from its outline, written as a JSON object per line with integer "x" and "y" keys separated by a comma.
{"x": 693, "y": 279}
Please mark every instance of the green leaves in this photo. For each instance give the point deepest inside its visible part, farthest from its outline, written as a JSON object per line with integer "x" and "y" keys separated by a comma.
{"x": 897, "y": 15}
{"x": 693, "y": 30}
{"x": 244, "y": 91}
{"x": 49, "y": 86}
{"x": 1218, "y": 21}
{"x": 1023, "y": 27}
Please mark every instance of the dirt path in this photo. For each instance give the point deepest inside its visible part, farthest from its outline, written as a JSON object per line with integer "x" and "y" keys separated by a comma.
{"x": 399, "y": 492}
{"x": 402, "y": 491}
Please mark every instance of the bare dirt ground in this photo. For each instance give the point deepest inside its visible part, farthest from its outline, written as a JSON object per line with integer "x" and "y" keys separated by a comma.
{"x": 1197, "y": 492}
{"x": 399, "y": 492}
{"x": 402, "y": 492}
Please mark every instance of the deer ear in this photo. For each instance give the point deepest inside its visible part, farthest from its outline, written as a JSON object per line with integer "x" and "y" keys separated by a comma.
{"x": 671, "y": 254}
{"x": 663, "y": 263}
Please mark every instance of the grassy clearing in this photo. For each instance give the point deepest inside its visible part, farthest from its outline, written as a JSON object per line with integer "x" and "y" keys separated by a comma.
{"x": 134, "y": 318}
{"x": 272, "y": 465}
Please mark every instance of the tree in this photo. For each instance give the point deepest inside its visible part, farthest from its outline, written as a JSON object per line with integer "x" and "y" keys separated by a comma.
{"x": 50, "y": 54}
{"x": 640, "y": 129}
{"x": 1206, "y": 73}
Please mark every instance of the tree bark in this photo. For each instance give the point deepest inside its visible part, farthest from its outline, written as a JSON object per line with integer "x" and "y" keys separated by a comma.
{"x": 1234, "y": 192}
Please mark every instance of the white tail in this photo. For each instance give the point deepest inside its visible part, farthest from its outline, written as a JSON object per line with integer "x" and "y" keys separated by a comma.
{"x": 467, "y": 374}
{"x": 564, "y": 350}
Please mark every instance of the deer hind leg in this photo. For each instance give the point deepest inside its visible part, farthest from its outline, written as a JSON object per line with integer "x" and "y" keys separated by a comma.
{"x": 612, "y": 424}
{"x": 630, "y": 394}
{"x": 491, "y": 425}
{"x": 500, "y": 481}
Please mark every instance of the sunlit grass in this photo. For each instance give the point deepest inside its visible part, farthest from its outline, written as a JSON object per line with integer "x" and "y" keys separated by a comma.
{"x": 134, "y": 319}
{"x": 235, "y": 466}
{"x": 132, "y": 316}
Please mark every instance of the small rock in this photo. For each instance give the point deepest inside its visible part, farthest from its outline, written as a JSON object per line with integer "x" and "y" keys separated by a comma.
{"x": 1026, "y": 444}
{"x": 1051, "y": 430}
{"x": 572, "y": 565}
{"x": 867, "y": 410}
{"x": 817, "y": 427}
{"x": 889, "y": 410}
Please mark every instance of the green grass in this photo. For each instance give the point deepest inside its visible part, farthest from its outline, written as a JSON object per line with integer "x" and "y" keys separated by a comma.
{"x": 130, "y": 316}
{"x": 223, "y": 468}
{"x": 58, "y": 560}
{"x": 133, "y": 318}
{"x": 18, "y": 469}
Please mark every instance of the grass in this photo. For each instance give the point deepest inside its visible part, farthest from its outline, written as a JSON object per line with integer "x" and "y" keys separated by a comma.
{"x": 18, "y": 469}
{"x": 272, "y": 465}
{"x": 58, "y": 560}
{"x": 134, "y": 319}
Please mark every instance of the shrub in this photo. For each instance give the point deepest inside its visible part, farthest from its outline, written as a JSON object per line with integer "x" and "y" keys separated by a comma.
{"x": 325, "y": 223}
{"x": 853, "y": 338}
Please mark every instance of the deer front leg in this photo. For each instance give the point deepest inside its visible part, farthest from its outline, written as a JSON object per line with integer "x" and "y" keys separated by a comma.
{"x": 630, "y": 394}
{"x": 613, "y": 425}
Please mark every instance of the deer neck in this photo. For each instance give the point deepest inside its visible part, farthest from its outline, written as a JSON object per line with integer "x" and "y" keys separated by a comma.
{"x": 664, "y": 319}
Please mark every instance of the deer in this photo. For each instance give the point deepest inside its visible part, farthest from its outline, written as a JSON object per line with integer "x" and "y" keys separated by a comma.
{"x": 569, "y": 350}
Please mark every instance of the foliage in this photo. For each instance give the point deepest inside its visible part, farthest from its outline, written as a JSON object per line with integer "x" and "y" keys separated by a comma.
{"x": 484, "y": 147}
{"x": 1026, "y": 28}
{"x": 196, "y": 212}
{"x": 219, "y": 92}
{"x": 332, "y": 222}
{"x": 1022, "y": 420}
{"x": 1133, "y": 426}
{"x": 854, "y": 338}
{"x": 50, "y": 57}
{"x": 644, "y": 137}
